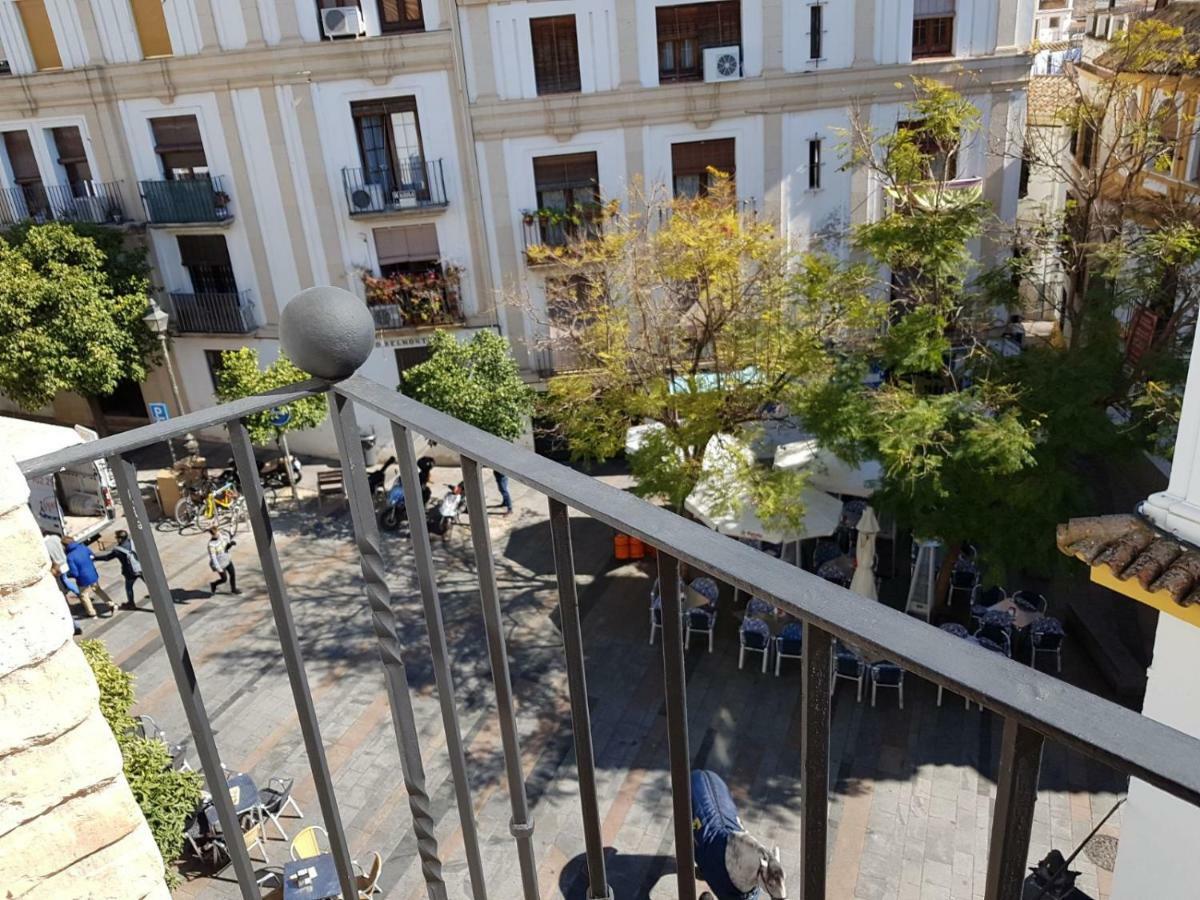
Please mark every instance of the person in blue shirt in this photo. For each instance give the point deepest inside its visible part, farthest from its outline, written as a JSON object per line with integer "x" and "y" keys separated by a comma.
{"x": 81, "y": 566}
{"x": 733, "y": 863}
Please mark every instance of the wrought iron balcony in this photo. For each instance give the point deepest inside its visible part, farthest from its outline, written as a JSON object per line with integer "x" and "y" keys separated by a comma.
{"x": 215, "y": 313}
{"x": 96, "y": 202}
{"x": 413, "y": 185}
{"x": 1034, "y": 707}
{"x": 186, "y": 201}
{"x": 552, "y": 234}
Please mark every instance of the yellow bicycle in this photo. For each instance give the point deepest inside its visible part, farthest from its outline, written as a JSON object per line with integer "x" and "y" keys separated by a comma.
{"x": 220, "y": 505}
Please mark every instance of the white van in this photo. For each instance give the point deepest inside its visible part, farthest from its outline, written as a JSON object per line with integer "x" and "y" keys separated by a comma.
{"x": 77, "y": 501}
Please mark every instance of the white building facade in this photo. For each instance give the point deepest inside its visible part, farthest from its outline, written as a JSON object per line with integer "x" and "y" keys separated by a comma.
{"x": 262, "y": 147}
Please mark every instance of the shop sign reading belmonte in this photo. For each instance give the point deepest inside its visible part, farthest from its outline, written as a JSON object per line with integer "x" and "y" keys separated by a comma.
{"x": 420, "y": 337}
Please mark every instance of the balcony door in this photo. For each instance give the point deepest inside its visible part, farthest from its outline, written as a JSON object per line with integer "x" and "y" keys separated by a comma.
{"x": 72, "y": 156}
{"x": 29, "y": 198}
{"x": 567, "y": 183}
{"x": 206, "y": 258}
{"x": 684, "y": 32}
{"x": 691, "y": 161}
{"x": 390, "y": 147}
{"x": 179, "y": 147}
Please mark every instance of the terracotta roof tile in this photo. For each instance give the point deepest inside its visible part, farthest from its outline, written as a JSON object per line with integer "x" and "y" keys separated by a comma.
{"x": 1132, "y": 548}
{"x": 1048, "y": 96}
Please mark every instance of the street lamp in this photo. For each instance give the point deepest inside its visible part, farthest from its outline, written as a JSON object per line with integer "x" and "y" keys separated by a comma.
{"x": 157, "y": 321}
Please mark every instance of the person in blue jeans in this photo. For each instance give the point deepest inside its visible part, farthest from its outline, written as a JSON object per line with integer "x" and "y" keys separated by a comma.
{"x": 81, "y": 566}
{"x": 505, "y": 497}
{"x": 131, "y": 566}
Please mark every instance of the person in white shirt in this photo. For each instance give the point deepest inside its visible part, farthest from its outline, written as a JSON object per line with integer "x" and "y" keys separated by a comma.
{"x": 220, "y": 561}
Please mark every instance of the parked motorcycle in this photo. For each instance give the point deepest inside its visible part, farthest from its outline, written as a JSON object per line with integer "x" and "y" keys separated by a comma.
{"x": 394, "y": 509}
{"x": 449, "y": 509}
{"x": 271, "y": 473}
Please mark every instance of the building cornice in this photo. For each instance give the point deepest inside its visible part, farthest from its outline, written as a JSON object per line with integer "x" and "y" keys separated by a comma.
{"x": 378, "y": 59}
{"x": 704, "y": 103}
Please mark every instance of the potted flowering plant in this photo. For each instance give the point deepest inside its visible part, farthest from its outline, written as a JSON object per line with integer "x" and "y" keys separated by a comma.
{"x": 413, "y": 299}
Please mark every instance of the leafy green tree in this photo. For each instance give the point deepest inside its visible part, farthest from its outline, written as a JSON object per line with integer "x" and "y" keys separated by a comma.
{"x": 476, "y": 381}
{"x": 166, "y": 796}
{"x": 71, "y": 312}
{"x": 680, "y": 311}
{"x": 241, "y": 375}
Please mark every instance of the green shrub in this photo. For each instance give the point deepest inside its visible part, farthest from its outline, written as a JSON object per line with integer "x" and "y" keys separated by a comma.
{"x": 166, "y": 796}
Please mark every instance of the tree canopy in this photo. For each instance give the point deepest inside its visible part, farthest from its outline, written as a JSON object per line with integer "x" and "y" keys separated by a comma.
{"x": 71, "y": 313}
{"x": 241, "y": 375}
{"x": 476, "y": 381}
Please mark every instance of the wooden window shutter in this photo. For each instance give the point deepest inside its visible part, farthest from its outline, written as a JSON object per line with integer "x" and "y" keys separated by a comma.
{"x": 20, "y": 157}
{"x": 555, "y": 54}
{"x": 694, "y": 157}
{"x": 40, "y": 34}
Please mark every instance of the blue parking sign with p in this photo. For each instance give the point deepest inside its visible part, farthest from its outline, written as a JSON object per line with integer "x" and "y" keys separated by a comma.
{"x": 158, "y": 412}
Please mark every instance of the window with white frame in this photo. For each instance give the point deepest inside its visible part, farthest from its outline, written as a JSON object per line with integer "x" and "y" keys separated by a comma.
{"x": 933, "y": 28}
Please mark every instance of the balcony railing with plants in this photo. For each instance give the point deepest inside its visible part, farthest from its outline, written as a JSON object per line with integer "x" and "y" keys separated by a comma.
{"x": 553, "y": 234}
{"x": 92, "y": 201}
{"x": 413, "y": 185}
{"x": 186, "y": 201}
{"x": 413, "y": 301}
{"x": 215, "y": 313}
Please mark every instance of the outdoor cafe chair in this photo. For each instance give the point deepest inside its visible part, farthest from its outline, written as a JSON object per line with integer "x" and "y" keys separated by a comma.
{"x": 145, "y": 726}
{"x": 996, "y": 626}
{"x": 823, "y": 552}
{"x": 755, "y": 636}
{"x": 759, "y": 607}
{"x": 306, "y": 844}
{"x": 955, "y": 630}
{"x": 274, "y": 798}
{"x": 983, "y": 599}
{"x": 848, "y": 665}
{"x": 705, "y": 588}
{"x": 656, "y": 607}
{"x": 368, "y": 881}
{"x": 701, "y": 619}
{"x": 1030, "y": 601}
{"x": 888, "y": 675}
{"x": 962, "y": 582}
{"x": 1046, "y": 636}
{"x": 789, "y": 644}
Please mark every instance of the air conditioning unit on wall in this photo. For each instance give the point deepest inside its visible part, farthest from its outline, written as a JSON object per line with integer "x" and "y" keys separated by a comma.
{"x": 722, "y": 63}
{"x": 341, "y": 21}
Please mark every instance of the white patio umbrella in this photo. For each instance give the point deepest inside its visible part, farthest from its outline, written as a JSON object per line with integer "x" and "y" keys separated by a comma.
{"x": 864, "y": 554}
{"x": 829, "y": 471}
{"x": 709, "y": 500}
{"x": 636, "y": 435}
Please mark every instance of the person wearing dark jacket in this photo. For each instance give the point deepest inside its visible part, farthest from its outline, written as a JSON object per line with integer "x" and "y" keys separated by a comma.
{"x": 81, "y": 566}
{"x": 131, "y": 566}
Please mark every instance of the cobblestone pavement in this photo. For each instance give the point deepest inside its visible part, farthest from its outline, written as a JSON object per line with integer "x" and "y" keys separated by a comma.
{"x": 913, "y": 788}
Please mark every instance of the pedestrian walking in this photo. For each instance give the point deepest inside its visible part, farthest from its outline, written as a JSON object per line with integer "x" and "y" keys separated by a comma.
{"x": 219, "y": 560}
{"x": 502, "y": 484}
{"x": 58, "y": 568}
{"x": 81, "y": 568}
{"x": 131, "y": 566}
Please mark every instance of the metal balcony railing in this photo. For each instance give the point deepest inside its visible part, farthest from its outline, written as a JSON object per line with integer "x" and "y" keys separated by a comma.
{"x": 417, "y": 184}
{"x": 1035, "y": 707}
{"x": 96, "y": 202}
{"x": 215, "y": 313}
{"x": 551, "y": 233}
{"x": 186, "y": 201}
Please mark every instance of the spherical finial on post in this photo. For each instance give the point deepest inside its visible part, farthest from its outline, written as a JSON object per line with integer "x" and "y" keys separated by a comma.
{"x": 327, "y": 332}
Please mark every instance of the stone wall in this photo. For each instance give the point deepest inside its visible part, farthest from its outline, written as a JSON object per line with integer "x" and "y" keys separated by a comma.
{"x": 69, "y": 825}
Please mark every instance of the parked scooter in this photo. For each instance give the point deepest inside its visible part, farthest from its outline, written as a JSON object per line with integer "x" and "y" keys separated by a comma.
{"x": 271, "y": 473}
{"x": 394, "y": 510}
{"x": 443, "y": 520}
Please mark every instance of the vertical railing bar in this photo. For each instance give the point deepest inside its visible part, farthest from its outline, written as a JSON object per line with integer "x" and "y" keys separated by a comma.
{"x": 675, "y": 679}
{"x": 1012, "y": 822}
{"x": 581, "y": 719}
{"x": 383, "y": 620}
{"x": 181, "y": 667}
{"x": 520, "y": 826}
{"x": 289, "y": 644}
{"x": 418, "y": 532}
{"x": 814, "y": 761}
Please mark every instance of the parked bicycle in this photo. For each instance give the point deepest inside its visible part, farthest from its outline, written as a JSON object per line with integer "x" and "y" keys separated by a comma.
{"x": 219, "y": 504}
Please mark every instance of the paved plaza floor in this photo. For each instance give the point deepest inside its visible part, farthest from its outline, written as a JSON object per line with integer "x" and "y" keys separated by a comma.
{"x": 912, "y": 793}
